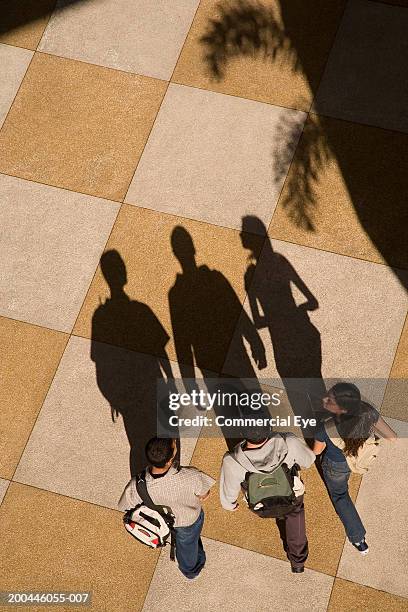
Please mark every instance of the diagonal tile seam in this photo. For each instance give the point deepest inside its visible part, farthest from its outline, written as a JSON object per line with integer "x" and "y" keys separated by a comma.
{"x": 19, "y": 87}
{"x": 50, "y": 14}
{"x": 357, "y": 583}
{"x": 42, "y": 404}
{"x": 396, "y": 351}
{"x": 161, "y": 103}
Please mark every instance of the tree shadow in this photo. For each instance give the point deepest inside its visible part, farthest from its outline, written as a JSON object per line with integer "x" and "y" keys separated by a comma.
{"x": 369, "y": 161}
{"x": 126, "y": 378}
{"x": 18, "y": 13}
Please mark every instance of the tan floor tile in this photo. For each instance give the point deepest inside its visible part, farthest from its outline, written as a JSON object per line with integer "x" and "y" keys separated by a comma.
{"x": 13, "y": 65}
{"x": 50, "y": 246}
{"x": 301, "y": 32}
{"x": 76, "y": 448}
{"x": 138, "y": 36}
{"x": 242, "y": 528}
{"x": 3, "y": 488}
{"x": 365, "y": 76}
{"x": 30, "y": 357}
{"x": 235, "y": 579}
{"x": 71, "y": 546}
{"x": 338, "y": 191}
{"x": 209, "y": 157}
{"x": 23, "y": 22}
{"x": 349, "y": 597}
{"x": 395, "y": 402}
{"x": 205, "y": 311}
{"x": 382, "y": 505}
{"x": 88, "y": 141}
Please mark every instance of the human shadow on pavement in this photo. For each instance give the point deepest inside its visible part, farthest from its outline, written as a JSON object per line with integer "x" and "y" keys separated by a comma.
{"x": 204, "y": 311}
{"x": 295, "y": 340}
{"x": 126, "y": 378}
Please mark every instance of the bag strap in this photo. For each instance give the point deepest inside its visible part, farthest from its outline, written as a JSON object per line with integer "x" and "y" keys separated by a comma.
{"x": 333, "y": 433}
{"x": 143, "y": 493}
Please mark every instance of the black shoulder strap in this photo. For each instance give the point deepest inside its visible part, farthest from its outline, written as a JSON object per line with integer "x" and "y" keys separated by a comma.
{"x": 143, "y": 493}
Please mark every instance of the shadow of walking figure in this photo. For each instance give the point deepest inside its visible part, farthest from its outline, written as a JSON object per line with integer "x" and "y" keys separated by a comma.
{"x": 126, "y": 378}
{"x": 204, "y": 311}
{"x": 295, "y": 340}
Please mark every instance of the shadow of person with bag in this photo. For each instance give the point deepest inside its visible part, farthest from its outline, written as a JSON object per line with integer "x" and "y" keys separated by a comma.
{"x": 126, "y": 378}
{"x": 204, "y": 311}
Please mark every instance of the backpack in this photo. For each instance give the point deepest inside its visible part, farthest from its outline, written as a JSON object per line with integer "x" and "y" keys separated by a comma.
{"x": 366, "y": 455}
{"x": 149, "y": 523}
{"x": 271, "y": 494}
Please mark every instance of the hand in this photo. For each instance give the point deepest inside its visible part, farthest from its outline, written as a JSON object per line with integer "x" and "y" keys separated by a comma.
{"x": 204, "y": 497}
{"x": 258, "y": 354}
{"x": 311, "y": 304}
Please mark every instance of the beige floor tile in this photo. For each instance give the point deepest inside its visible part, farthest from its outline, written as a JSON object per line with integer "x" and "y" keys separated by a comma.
{"x": 205, "y": 308}
{"x": 75, "y": 448}
{"x": 233, "y": 579}
{"x": 396, "y": 396}
{"x": 338, "y": 192}
{"x": 13, "y": 65}
{"x": 30, "y": 357}
{"x": 206, "y": 160}
{"x": 349, "y": 335}
{"x": 23, "y": 22}
{"x": 224, "y": 32}
{"x": 50, "y": 246}
{"x": 382, "y": 504}
{"x": 71, "y": 546}
{"x": 139, "y": 36}
{"x": 364, "y": 80}
{"x": 349, "y": 597}
{"x": 3, "y": 488}
{"x": 242, "y": 528}
{"x": 88, "y": 141}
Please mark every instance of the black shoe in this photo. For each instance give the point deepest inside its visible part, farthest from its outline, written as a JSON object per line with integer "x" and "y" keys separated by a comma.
{"x": 362, "y": 547}
{"x": 298, "y": 570}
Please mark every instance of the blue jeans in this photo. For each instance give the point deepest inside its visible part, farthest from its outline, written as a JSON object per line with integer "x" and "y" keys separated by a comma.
{"x": 336, "y": 475}
{"x": 189, "y": 548}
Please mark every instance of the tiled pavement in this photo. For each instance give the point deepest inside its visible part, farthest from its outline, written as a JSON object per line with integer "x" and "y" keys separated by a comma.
{"x": 121, "y": 121}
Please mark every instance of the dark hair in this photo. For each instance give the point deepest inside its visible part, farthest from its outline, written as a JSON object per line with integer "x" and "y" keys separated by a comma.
{"x": 159, "y": 451}
{"x": 355, "y": 426}
{"x": 258, "y": 435}
{"x": 347, "y": 396}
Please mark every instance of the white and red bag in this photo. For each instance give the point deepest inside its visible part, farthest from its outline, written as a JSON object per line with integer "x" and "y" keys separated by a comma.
{"x": 149, "y": 523}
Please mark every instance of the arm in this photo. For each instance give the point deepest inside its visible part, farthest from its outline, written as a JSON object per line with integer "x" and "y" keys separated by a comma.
{"x": 258, "y": 319}
{"x": 129, "y": 498}
{"x": 182, "y": 343}
{"x": 230, "y": 484}
{"x": 251, "y": 335}
{"x": 318, "y": 447}
{"x": 385, "y": 430}
{"x": 311, "y": 303}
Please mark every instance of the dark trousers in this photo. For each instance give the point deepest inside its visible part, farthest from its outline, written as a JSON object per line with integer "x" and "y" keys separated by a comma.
{"x": 292, "y": 529}
{"x": 189, "y": 548}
